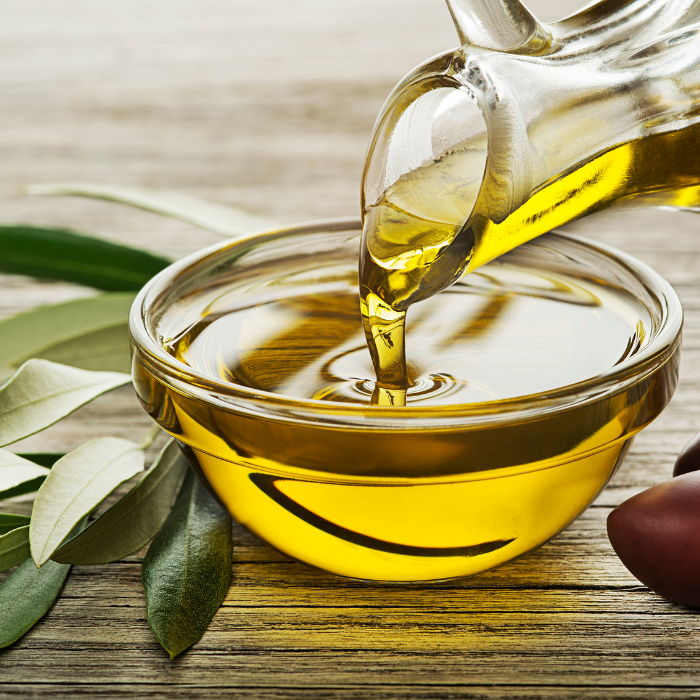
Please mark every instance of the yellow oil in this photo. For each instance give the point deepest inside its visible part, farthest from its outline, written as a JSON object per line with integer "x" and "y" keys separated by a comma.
{"x": 412, "y": 226}
{"x": 407, "y": 501}
{"x": 502, "y": 332}
{"x": 422, "y": 494}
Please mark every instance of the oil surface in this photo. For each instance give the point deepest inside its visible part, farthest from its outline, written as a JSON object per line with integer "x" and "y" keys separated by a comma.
{"x": 502, "y": 332}
{"x": 409, "y": 231}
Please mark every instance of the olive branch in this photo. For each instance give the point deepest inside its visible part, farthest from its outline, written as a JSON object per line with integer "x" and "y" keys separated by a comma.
{"x": 55, "y": 359}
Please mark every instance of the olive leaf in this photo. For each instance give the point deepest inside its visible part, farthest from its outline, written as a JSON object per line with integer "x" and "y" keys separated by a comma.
{"x": 132, "y": 522}
{"x": 43, "y": 392}
{"x": 218, "y": 218}
{"x": 27, "y": 594}
{"x": 58, "y": 254}
{"x": 24, "y": 488}
{"x": 44, "y": 459}
{"x": 19, "y": 475}
{"x": 78, "y": 483}
{"x": 14, "y": 547}
{"x": 104, "y": 350}
{"x": 10, "y": 521}
{"x": 187, "y": 569}
{"x": 54, "y": 332}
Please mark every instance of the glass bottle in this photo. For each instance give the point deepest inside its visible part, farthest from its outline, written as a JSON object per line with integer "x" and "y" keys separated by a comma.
{"x": 524, "y": 128}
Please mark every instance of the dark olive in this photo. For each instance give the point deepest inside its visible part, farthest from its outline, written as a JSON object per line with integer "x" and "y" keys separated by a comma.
{"x": 656, "y": 534}
{"x": 689, "y": 458}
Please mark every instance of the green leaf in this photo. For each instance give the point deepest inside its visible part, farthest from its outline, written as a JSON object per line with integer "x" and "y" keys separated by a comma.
{"x": 132, "y": 522}
{"x": 19, "y": 475}
{"x": 58, "y": 254}
{"x": 45, "y": 459}
{"x": 78, "y": 483}
{"x": 14, "y": 547}
{"x": 26, "y": 596}
{"x": 187, "y": 569}
{"x": 221, "y": 219}
{"x": 50, "y": 331}
{"x": 10, "y": 521}
{"x": 23, "y": 489}
{"x": 42, "y": 392}
{"x": 106, "y": 350}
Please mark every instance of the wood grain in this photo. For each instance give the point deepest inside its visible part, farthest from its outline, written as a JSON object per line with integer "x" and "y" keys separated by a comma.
{"x": 269, "y": 106}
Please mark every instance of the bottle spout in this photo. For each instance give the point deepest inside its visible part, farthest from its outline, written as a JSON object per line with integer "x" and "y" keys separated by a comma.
{"x": 499, "y": 25}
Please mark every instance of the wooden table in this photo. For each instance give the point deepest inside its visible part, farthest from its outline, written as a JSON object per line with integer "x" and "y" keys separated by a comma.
{"x": 268, "y": 106}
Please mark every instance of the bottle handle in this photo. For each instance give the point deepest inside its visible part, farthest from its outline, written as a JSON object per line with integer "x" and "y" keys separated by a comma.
{"x": 499, "y": 25}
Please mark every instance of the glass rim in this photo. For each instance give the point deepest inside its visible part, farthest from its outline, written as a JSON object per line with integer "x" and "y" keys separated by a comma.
{"x": 238, "y": 398}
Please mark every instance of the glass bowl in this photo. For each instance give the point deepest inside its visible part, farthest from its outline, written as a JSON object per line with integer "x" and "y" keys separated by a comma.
{"x": 396, "y": 494}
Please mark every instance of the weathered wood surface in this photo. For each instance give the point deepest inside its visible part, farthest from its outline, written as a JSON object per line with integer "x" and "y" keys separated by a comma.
{"x": 269, "y": 106}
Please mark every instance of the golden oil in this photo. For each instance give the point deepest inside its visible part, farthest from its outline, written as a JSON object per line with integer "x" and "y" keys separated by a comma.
{"x": 483, "y": 462}
{"x": 502, "y": 332}
{"x": 419, "y": 493}
{"x": 417, "y": 219}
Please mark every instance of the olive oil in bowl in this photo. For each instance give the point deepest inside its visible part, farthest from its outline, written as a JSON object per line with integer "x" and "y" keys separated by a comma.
{"x": 525, "y": 383}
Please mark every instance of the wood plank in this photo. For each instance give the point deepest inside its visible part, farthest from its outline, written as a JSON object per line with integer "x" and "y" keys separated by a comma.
{"x": 353, "y": 692}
